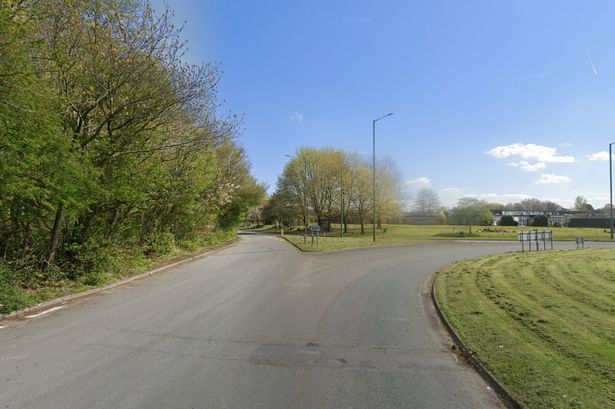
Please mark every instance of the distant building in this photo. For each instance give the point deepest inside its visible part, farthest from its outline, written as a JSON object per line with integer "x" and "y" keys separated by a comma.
{"x": 560, "y": 218}
{"x": 412, "y": 218}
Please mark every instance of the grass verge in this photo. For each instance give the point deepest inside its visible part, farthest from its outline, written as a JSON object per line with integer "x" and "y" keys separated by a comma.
{"x": 543, "y": 323}
{"x": 402, "y": 234}
{"x": 22, "y": 289}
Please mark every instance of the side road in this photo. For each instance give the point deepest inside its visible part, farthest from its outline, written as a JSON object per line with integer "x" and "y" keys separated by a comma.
{"x": 256, "y": 325}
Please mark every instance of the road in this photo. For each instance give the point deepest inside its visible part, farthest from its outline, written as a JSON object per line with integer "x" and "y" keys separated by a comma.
{"x": 257, "y": 325}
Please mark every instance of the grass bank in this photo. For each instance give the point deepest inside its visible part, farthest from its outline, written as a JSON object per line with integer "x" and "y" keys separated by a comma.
{"x": 21, "y": 288}
{"x": 401, "y": 234}
{"x": 542, "y": 323}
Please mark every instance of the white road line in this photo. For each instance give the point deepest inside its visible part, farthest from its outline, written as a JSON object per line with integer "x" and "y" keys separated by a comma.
{"x": 45, "y": 312}
{"x": 1, "y": 326}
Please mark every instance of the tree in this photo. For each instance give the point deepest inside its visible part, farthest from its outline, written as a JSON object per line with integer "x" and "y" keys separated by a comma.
{"x": 580, "y": 204}
{"x": 329, "y": 179}
{"x": 426, "y": 202}
{"x": 495, "y": 206}
{"x": 388, "y": 192}
{"x": 109, "y": 141}
{"x": 469, "y": 211}
{"x": 486, "y": 217}
{"x": 534, "y": 205}
{"x": 363, "y": 195}
{"x": 539, "y": 221}
{"x": 441, "y": 217}
{"x": 551, "y": 207}
{"x": 508, "y": 221}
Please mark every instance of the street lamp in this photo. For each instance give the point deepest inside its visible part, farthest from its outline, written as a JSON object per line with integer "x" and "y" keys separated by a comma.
{"x": 374, "y": 174}
{"x": 305, "y": 220}
{"x": 611, "y": 185}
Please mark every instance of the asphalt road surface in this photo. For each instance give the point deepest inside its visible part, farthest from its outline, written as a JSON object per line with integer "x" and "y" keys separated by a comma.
{"x": 258, "y": 325}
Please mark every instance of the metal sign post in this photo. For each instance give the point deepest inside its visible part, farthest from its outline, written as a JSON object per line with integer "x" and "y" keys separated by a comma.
{"x": 535, "y": 236}
{"x": 315, "y": 229}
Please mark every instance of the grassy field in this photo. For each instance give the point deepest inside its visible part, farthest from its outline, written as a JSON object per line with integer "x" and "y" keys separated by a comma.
{"x": 542, "y": 323}
{"x": 400, "y": 234}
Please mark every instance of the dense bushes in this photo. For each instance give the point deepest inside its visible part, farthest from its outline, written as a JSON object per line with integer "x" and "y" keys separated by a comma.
{"x": 110, "y": 146}
{"x": 600, "y": 223}
{"x": 508, "y": 221}
{"x": 539, "y": 221}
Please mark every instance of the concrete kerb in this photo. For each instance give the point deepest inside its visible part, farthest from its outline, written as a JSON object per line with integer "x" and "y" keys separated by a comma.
{"x": 19, "y": 314}
{"x": 469, "y": 356}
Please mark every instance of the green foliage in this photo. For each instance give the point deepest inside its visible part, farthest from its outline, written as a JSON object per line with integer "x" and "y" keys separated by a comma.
{"x": 321, "y": 182}
{"x": 539, "y": 221}
{"x": 441, "y": 218}
{"x": 601, "y": 223}
{"x": 508, "y": 221}
{"x": 12, "y": 296}
{"x": 111, "y": 150}
{"x": 580, "y": 204}
{"x": 470, "y": 211}
{"x": 486, "y": 217}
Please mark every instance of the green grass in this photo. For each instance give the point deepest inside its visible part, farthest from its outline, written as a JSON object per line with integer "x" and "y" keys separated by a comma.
{"x": 401, "y": 234}
{"x": 542, "y": 323}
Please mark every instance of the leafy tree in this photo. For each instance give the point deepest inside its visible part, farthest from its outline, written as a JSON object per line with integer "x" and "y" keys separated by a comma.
{"x": 363, "y": 194}
{"x": 508, "y": 221}
{"x": 110, "y": 143}
{"x": 551, "y": 207}
{"x": 441, "y": 218}
{"x": 580, "y": 204}
{"x": 329, "y": 179}
{"x": 486, "y": 217}
{"x": 534, "y": 205}
{"x": 539, "y": 221}
{"x": 470, "y": 211}
{"x": 495, "y": 206}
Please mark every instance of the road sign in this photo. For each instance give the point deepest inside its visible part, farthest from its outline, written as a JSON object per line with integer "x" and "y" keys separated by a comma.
{"x": 535, "y": 236}
{"x": 315, "y": 228}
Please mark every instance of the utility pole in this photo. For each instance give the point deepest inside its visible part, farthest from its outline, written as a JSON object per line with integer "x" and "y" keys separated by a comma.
{"x": 374, "y": 175}
{"x": 305, "y": 220}
{"x": 611, "y": 185}
{"x": 342, "y": 194}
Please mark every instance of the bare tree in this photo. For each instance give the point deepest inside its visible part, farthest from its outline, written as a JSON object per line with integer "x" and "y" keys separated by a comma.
{"x": 426, "y": 202}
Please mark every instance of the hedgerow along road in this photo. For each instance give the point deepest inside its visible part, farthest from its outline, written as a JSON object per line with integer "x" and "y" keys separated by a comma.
{"x": 257, "y": 325}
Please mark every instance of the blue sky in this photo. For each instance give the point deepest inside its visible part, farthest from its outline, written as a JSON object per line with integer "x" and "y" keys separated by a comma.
{"x": 496, "y": 99}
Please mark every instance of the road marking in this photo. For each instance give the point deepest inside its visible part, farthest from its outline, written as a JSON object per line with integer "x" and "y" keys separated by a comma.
{"x": 1, "y": 326}
{"x": 45, "y": 312}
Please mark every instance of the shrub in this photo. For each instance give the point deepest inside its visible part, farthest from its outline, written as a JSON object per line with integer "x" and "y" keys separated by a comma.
{"x": 508, "y": 221}
{"x": 539, "y": 221}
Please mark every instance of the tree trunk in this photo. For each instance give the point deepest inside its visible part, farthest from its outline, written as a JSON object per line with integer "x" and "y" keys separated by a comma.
{"x": 55, "y": 234}
{"x": 362, "y": 226}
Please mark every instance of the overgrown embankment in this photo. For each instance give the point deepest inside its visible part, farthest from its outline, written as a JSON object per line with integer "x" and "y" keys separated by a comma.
{"x": 112, "y": 151}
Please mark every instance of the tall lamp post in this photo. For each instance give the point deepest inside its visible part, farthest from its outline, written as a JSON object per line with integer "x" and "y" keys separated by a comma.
{"x": 374, "y": 174}
{"x": 305, "y": 220}
{"x": 611, "y": 185}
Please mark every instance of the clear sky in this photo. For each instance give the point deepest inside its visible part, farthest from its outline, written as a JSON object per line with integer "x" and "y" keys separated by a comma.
{"x": 497, "y": 99}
